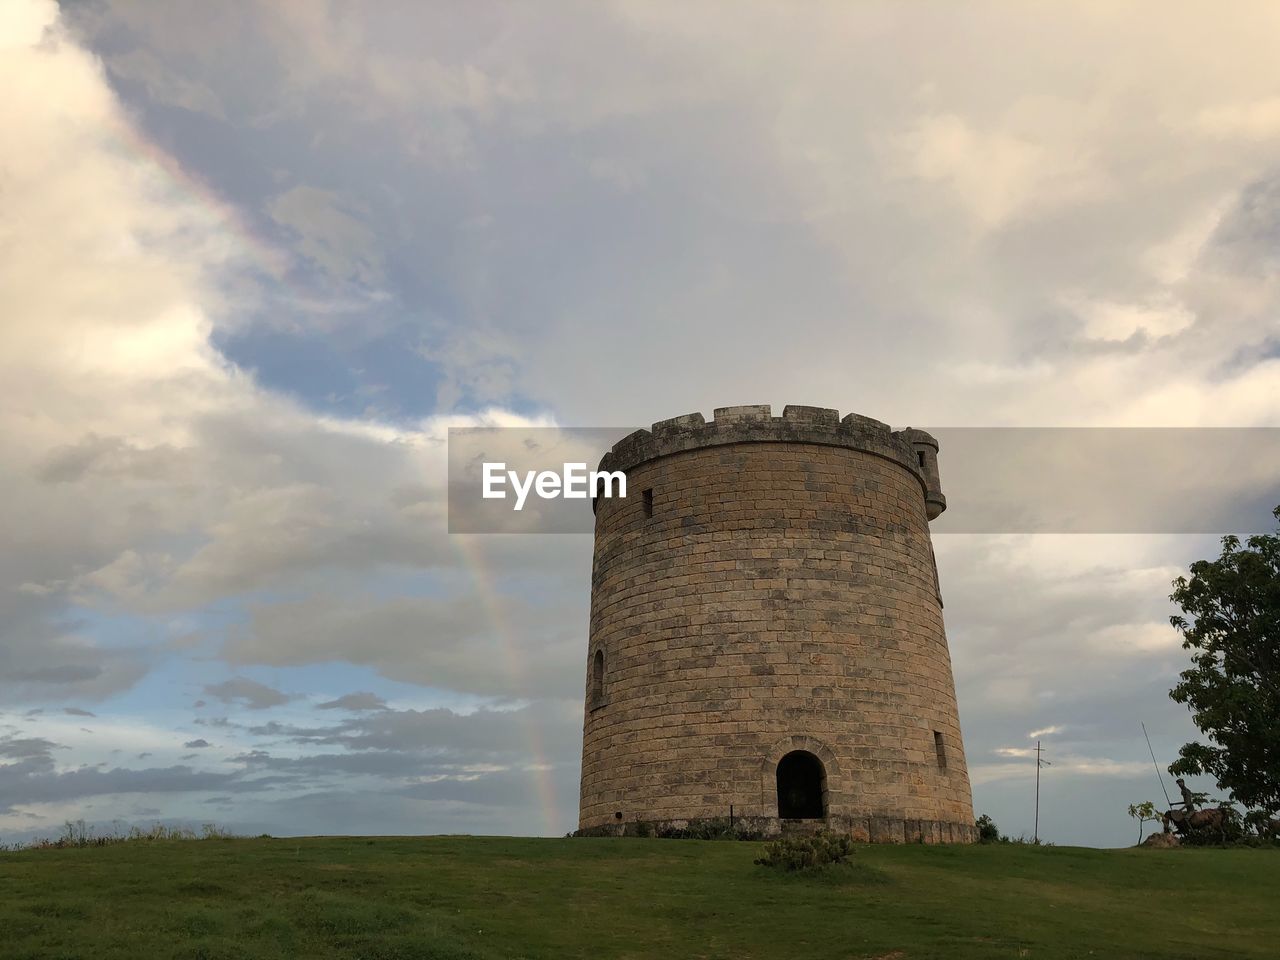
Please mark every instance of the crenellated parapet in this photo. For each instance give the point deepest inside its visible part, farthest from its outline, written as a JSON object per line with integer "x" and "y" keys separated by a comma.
{"x": 914, "y": 450}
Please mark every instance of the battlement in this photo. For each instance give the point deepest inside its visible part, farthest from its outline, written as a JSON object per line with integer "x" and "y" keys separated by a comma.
{"x": 915, "y": 450}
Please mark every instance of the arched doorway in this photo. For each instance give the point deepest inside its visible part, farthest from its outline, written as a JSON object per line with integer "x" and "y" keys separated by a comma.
{"x": 802, "y": 787}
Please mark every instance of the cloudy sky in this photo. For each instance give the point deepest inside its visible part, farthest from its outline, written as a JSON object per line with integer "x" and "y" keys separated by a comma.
{"x": 257, "y": 258}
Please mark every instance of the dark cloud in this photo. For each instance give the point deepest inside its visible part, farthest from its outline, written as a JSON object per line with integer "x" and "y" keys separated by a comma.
{"x": 35, "y": 749}
{"x": 354, "y": 701}
{"x": 32, "y": 777}
{"x": 43, "y": 658}
{"x": 43, "y": 785}
{"x": 1247, "y": 239}
{"x": 247, "y": 693}
{"x": 108, "y": 456}
{"x": 196, "y": 744}
{"x": 214, "y": 722}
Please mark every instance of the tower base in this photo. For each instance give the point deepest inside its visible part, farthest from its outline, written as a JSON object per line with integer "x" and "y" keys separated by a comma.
{"x": 859, "y": 829}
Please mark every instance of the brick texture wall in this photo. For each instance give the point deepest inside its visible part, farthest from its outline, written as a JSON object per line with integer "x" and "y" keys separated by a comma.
{"x": 782, "y": 595}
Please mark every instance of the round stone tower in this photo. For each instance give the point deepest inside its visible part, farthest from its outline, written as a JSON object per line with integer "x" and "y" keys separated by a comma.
{"x": 766, "y": 632}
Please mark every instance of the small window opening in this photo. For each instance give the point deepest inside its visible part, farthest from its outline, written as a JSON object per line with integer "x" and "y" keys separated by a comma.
{"x": 920, "y": 457}
{"x": 648, "y": 502}
{"x": 597, "y": 679}
{"x": 940, "y": 749}
{"x": 937, "y": 586}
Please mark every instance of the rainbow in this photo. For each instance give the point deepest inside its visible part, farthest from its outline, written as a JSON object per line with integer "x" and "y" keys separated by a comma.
{"x": 175, "y": 178}
{"x": 512, "y": 661}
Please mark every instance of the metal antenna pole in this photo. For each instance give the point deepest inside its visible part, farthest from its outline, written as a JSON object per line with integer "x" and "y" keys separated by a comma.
{"x": 1159, "y": 775}
{"x": 1037, "y": 828}
{"x": 1039, "y": 763}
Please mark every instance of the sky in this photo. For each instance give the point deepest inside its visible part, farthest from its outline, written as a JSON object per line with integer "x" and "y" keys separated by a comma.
{"x": 259, "y": 257}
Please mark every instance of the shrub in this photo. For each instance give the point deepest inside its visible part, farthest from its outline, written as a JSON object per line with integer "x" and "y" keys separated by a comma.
{"x": 711, "y": 828}
{"x": 78, "y": 833}
{"x": 1265, "y": 826}
{"x": 813, "y": 852}
{"x": 988, "y": 832}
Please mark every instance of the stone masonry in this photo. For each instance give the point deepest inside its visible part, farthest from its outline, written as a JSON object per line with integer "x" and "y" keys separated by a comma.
{"x": 766, "y": 632}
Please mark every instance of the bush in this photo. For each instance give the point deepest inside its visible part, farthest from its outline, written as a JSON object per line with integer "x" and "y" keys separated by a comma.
{"x": 988, "y": 832}
{"x": 712, "y": 828}
{"x": 1265, "y": 827}
{"x": 813, "y": 852}
{"x": 78, "y": 833}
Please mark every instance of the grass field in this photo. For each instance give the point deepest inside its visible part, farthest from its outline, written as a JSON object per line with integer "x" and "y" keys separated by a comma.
{"x": 468, "y": 897}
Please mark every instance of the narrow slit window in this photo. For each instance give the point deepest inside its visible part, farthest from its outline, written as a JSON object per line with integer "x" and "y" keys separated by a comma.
{"x": 941, "y": 749}
{"x": 920, "y": 457}
{"x": 937, "y": 586}
{"x": 648, "y": 502}
{"x": 597, "y": 679}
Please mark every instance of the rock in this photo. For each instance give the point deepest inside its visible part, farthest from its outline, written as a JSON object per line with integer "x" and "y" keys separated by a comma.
{"x": 1161, "y": 840}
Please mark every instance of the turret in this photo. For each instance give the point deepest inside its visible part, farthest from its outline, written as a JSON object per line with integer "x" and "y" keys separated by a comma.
{"x": 925, "y": 448}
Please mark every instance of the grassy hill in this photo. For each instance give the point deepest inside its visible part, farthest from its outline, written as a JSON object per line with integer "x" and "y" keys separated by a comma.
{"x": 468, "y": 897}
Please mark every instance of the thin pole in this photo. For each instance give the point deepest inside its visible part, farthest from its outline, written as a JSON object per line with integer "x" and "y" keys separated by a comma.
{"x": 1037, "y": 828}
{"x": 1039, "y": 763}
{"x": 1159, "y": 775}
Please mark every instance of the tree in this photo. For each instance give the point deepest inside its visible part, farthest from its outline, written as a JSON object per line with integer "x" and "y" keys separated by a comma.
{"x": 1231, "y": 620}
{"x": 1144, "y": 812}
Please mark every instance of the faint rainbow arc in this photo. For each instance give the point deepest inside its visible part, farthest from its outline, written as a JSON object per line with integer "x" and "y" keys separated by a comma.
{"x": 516, "y": 669}
{"x": 259, "y": 251}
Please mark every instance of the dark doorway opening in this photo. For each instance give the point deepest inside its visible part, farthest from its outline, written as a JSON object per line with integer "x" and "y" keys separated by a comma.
{"x": 802, "y": 787}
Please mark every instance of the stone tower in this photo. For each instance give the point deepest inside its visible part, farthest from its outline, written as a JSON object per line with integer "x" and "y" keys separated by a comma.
{"x": 766, "y": 632}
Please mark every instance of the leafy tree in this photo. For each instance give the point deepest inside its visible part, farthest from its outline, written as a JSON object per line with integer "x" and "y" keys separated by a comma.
{"x": 1143, "y": 812}
{"x": 1231, "y": 621}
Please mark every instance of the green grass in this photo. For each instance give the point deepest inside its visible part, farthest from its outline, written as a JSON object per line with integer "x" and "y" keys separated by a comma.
{"x": 449, "y": 898}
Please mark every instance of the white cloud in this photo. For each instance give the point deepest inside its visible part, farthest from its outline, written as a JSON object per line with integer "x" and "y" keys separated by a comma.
{"x": 1250, "y": 120}
{"x": 997, "y": 176}
{"x": 1044, "y": 732}
{"x": 1119, "y": 321}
